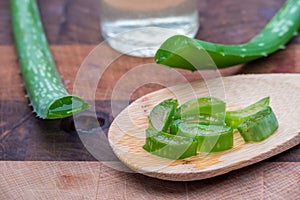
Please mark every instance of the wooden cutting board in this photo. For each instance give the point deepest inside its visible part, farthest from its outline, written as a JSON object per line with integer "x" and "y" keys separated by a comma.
{"x": 93, "y": 180}
{"x": 127, "y": 132}
{"x": 39, "y": 160}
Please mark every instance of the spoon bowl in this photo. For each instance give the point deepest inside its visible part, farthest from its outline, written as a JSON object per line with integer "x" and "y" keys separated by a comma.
{"x": 127, "y": 132}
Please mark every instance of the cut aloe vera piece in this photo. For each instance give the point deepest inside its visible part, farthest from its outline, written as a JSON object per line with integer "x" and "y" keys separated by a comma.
{"x": 211, "y": 138}
{"x": 235, "y": 118}
{"x": 204, "y": 106}
{"x": 259, "y": 126}
{"x": 161, "y": 115}
{"x": 169, "y": 146}
{"x": 202, "y": 119}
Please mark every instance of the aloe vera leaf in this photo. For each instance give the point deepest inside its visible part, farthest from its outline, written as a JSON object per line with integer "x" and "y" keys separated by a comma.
{"x": 182, "y": 52}
{"x": 44, "y": 87}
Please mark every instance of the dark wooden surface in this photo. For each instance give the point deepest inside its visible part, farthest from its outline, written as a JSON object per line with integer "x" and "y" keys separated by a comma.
{"x": 72, "y": 27}
{"x": 77, "y": 21}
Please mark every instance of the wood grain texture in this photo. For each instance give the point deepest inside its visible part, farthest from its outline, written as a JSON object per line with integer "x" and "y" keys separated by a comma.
{"x": 127, "y": 132}
{"x": 94, "y": 180}
{"x": 72, "y": 24}
{"x": 23, "y": 137}
{"x": 69, "y": 58}
{"x": 35, "y": 139}
{"x": 77, "y": 22}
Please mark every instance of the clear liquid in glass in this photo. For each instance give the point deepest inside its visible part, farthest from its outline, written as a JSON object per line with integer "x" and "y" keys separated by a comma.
{"x": 139, "y": 27}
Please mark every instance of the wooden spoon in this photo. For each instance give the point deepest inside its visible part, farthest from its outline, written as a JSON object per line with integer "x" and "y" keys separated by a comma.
{"x": 127, "y": 132}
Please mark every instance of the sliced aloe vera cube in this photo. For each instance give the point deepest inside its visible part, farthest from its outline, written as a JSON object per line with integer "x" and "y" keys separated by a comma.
{"x": 211, "y": 138}
{"x": 161, "y": 115}
{"x": 174, "y": 126}
{"x": 169, "y": 146}
{"x": 202, "y": 119}
{"x": 203, "y": 106}
{"x": 235, "y": 118}
{"x": 259, "y": 126}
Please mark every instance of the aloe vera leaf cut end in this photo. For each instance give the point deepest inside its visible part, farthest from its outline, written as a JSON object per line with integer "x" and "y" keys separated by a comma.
{"x": 66, "y": 106}
{"x": 192, "y": 54}
{"x": 44, "y": 87}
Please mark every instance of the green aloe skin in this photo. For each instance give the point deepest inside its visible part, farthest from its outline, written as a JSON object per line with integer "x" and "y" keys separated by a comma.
{"x": 169, "y": 146}
{"x": 236, "y": 117}
{"x": 211, "y": 138}
{"x": 162, "y": 114}
{"x": 46, "y": 92}
{"x": 259, "y": 126}
{"x": 182, "y": 52}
